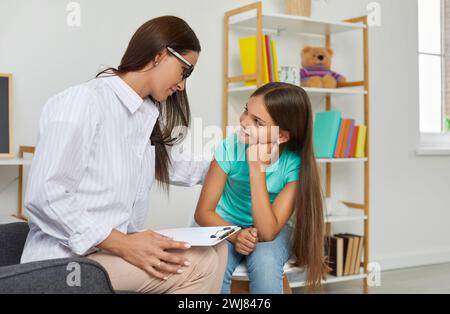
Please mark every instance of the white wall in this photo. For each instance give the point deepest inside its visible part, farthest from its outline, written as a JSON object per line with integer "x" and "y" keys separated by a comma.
{"x": 409, "y": 194}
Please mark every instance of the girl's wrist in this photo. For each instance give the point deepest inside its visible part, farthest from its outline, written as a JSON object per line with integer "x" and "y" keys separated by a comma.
{"x": 254, "y": 164}
{"x": 257, "y": 168}
{"x": 233, "y": 237}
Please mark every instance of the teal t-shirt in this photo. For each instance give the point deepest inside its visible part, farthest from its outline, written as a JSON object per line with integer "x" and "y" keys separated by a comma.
{"x": 235, "y": 204}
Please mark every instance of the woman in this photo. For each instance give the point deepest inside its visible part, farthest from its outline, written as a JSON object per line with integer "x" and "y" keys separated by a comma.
{"x": 101, "y": 145}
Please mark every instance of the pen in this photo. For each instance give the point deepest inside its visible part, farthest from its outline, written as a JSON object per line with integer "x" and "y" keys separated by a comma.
{"x": 226, "y": 234}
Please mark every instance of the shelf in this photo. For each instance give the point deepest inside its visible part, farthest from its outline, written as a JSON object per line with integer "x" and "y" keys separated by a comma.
{"x": 353, "y": 215}
{"x": 293, "y": 24}
{"x": 340, "y": 160}
{"x": 296, "y": 276}
{"x": 247, "y": 90}
{"x": 15, "y": 162}
{"x": 296, "y": 279}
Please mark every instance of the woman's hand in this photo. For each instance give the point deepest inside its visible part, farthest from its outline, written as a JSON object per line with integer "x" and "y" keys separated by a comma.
{"x": 148, "y": 250}
{"x": 245, "y": 241}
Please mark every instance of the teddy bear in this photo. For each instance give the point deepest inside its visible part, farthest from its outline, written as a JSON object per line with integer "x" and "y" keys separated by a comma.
{"x": 316, "y": 68}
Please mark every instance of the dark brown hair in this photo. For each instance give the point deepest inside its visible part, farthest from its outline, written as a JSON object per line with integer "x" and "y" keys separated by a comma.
{"x": 290, "y": 108}
{"x": 150, "y": 39}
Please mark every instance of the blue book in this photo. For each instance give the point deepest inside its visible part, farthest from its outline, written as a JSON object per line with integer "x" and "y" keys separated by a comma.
{"x": 326, "y": 131}
{"x": 337, "y": 138}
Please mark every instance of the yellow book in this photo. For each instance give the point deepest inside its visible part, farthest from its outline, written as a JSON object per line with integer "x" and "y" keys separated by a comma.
{"x": 265, "y": 61}
{"x": 275, "y": 60}
{"x": 361, "y": 141}
{"x": 247, "y": 47}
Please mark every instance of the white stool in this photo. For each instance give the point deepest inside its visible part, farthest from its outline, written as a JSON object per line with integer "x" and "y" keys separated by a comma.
{"x": 240, "y": 281}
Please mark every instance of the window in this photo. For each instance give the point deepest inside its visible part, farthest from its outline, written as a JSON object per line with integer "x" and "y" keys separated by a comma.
{"x": 434, "y": 80}
{"x": 434, "y": 77}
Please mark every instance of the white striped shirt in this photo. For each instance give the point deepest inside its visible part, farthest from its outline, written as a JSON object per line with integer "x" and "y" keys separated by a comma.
{"x": 93, "y": 168}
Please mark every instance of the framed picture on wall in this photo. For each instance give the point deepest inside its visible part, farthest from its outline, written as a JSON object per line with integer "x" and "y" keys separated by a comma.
{"x": 5, "y": 116}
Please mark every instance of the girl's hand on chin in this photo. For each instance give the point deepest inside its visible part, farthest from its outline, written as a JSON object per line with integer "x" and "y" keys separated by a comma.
{"x": 262, "y": 154}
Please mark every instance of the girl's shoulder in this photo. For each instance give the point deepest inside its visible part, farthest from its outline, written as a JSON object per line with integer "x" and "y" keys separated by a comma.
{"x": 290, "y": 162}
{"x": 291, "y": 158}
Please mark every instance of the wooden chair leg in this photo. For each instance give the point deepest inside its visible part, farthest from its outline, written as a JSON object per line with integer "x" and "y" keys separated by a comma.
{"x": 240, "y": 286}
{"x": 286, "y": 287}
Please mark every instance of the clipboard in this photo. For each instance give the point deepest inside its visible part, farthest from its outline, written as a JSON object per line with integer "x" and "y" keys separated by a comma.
{"x": 200, "y": 236}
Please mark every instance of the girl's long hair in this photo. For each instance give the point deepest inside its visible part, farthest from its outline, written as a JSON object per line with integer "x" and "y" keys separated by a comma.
{"x": 150, "y": 39}
{"x": 290, "y": 108}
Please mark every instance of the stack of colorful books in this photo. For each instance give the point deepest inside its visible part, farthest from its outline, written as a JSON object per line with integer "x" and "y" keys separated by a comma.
{"x": 336, "y": 137}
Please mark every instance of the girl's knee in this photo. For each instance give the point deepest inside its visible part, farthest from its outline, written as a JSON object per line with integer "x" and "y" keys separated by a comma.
{"x": 267, "y": 260}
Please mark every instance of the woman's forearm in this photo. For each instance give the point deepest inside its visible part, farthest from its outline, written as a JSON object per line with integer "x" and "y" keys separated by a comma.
{"x": 208, "y": 218}
{"x": 115, "y": 243}
{"x": 264, "y": 218}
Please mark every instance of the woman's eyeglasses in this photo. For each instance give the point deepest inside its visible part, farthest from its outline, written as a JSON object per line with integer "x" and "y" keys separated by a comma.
{"x": 187, "y": 71}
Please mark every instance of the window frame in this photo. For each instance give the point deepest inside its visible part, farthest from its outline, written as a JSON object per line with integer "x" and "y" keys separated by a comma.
{"x": 436, "y": 144}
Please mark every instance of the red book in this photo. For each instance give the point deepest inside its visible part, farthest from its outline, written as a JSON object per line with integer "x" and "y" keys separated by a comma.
{"x": 353, "y": 144}
{"x": 269, "y": 57}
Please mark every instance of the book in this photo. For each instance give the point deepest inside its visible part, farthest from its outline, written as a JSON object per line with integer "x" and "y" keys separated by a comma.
{"x": 361, "y": 142}
{"x": 348, "y": 249}
{"x": 200, "y": 236}
{"x": 335, "y": 252}
{"x": 357, "y": 252}
{"x": 325, "y": 133}
{"x": 248, "y": 54}
{"x": 275, "y": 60}
{"x": 265, "y": 69}
{"x": 268, "y": 48}
{"x": 345, "y": 140}
{"x": 358, "y": 255}
{"x": 340, "y": 139}
{"x": 247, "y": 49}
{"x": 353, "y": 143}
{"x": 349, "y": 139}
{"x": 353, "y": 265}
{"x": 342, "y": 146}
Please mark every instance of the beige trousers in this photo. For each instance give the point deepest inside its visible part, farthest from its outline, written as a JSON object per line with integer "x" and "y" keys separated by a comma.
{"x": 204, "y": 275}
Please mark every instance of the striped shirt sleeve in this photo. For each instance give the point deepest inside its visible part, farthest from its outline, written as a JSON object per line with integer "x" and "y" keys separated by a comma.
{"x": 186, "y": 169}
{"x": 67, "y": 132}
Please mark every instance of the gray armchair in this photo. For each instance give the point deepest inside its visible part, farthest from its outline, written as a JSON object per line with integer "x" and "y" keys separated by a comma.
{"x": 49, "y": 276}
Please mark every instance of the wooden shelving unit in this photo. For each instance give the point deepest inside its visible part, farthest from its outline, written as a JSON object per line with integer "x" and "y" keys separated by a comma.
{"x": 252, "y": 18}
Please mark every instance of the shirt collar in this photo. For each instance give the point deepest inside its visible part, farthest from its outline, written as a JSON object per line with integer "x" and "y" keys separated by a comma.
{"x": 126, "y": 94}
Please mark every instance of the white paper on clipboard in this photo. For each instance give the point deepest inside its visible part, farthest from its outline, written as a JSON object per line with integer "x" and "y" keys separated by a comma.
{"x": 200, "y": 236}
